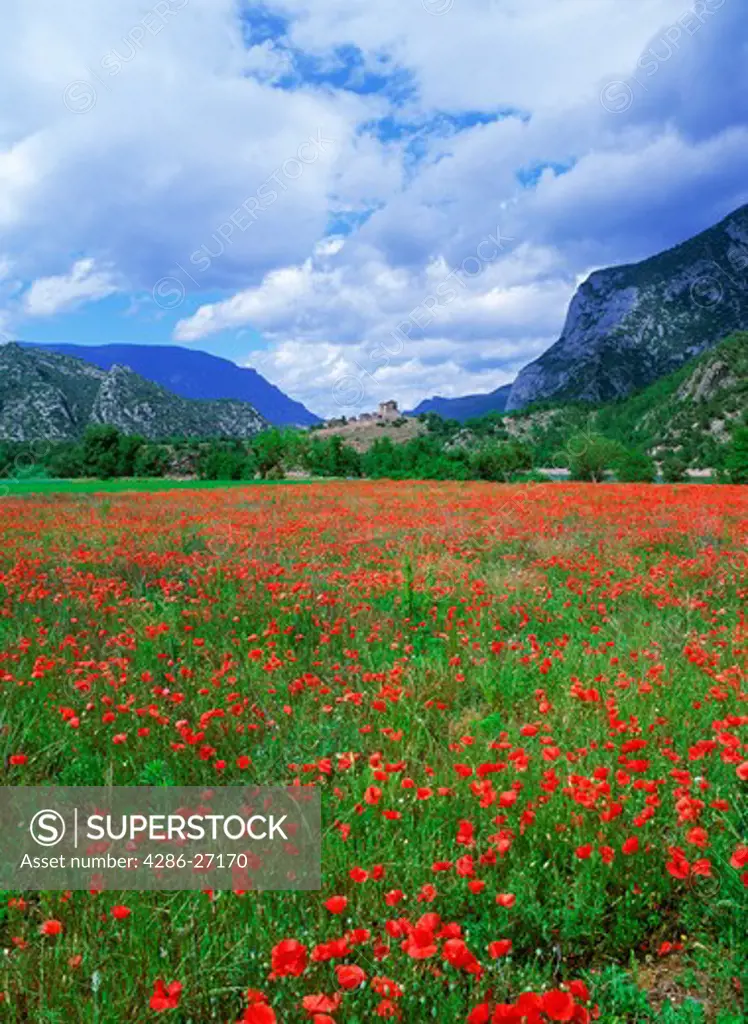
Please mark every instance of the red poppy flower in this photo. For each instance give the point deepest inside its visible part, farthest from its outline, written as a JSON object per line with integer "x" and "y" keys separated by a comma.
{"x": 420, "y": 944}
{"x": 499, "y": 948}
{"x": 259, "y": 1013}
{"x": 165, "y": 997}
{"x": 739, "y": 858}
{"x": 336, "y": 904}
{"x": 350, "y": 976}
{"x": 320, "y": 1003}
{"x": 508, "y": 1013}
{"x": 51, "y": 927}
{"x": 456, "y": 953}
{"x": 558, "y": 1005}
{"x": 289, "y": 957}
{"x": 580, "y": 991}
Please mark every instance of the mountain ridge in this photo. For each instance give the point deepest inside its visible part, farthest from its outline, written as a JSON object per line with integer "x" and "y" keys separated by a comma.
{"x": 51, "y": 396}
{"x": 194, "y": 374}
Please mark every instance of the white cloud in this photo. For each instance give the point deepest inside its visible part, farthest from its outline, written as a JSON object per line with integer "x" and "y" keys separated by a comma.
{"x": 531, "y": 54}
{"x": 330, "y": 322}
{"x": 84, "y": 283}
{"x": 140, "y": 163}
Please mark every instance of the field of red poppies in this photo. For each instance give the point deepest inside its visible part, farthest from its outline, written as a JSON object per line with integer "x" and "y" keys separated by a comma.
{"x": 525, "y": 708}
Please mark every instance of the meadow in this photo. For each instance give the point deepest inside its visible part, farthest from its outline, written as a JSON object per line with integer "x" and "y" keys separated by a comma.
{"x": 525, "y": 707}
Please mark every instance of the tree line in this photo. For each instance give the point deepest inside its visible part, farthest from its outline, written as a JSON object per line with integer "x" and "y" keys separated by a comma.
{"x": 477, "y": 450}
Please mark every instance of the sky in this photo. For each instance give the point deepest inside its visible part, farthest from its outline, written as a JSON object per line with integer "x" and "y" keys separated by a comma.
{"x": 361, "y": 200}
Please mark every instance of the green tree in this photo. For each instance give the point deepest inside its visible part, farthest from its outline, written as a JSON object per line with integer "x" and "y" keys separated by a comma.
{"x": 500, "y": 462}
{"x": 331, "y": 457}
{"x": 66, "y": 461}
{"x": 674, "y": 468}
{"x": 269, "y": 448}
{"x": 590, "y": 455}
{"x": 152, "y": 460}
{"x": 224, "y": 460}
{"x": 736, "y": 461}
{"x": 382, "y": 460}
{"x": 632, "y": 465}
{"x": 127, "y": 453}
{"x": 101, "y": 452}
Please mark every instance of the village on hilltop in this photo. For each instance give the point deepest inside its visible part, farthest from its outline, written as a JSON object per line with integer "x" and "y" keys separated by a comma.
{"x": 387, "y": 411}
{"x": 363, "y": 430}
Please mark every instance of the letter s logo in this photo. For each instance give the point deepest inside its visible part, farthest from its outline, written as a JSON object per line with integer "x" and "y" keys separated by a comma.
{"x": 47, "y": 828}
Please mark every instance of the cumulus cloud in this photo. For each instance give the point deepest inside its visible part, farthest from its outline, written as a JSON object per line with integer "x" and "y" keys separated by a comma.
{"x": 83, "y": 283}
{"x": 137, "y": 148}
{"x": 345, "y": 329}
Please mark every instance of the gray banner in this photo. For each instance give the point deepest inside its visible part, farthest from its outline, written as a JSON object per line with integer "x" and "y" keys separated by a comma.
{"x": 144, "y": 837}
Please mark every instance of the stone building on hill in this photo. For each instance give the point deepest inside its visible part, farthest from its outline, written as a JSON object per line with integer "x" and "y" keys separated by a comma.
{"x": 388, "y": 410}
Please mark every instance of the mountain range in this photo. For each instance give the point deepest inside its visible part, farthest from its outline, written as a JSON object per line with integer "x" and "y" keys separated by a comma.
{"x": 47, "y": 395}
{"x": 197, "y": 375}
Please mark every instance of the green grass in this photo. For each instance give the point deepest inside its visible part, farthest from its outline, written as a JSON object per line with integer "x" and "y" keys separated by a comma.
{"x": 10, "y": 488}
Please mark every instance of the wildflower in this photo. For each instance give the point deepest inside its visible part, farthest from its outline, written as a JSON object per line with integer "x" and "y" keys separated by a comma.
{"x": 499, "y": 948}
{"x": 289, "y": 957}
{"x": 350, "y": 976}
{"x": 165, "y": 997}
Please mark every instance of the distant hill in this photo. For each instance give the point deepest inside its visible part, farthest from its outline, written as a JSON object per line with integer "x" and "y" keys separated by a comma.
{"x": 467, "y": 407}
{"x": 362, "y": 434}
{"x": 627, "y": 326}
{"x": 690, "y": 412}
{"x": 46, "y": 395}
{"x": 194, "y": 374}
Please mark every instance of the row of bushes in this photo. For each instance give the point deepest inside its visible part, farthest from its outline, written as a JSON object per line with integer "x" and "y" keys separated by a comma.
{"x": 104, "y": 452}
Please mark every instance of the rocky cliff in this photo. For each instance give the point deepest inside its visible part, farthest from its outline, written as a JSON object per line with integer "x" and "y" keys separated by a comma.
{"x": 629, "y": 325}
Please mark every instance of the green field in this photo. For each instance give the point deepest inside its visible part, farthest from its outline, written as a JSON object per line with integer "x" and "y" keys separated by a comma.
{"x": 10, "y": 488}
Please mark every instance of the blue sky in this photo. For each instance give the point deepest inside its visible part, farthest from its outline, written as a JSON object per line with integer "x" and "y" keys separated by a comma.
{"x": 387, "y": 200}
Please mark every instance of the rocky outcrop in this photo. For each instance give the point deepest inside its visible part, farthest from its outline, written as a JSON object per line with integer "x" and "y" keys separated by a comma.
{"x": 629, "y": 325}
{"x": 48, "y": 396}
